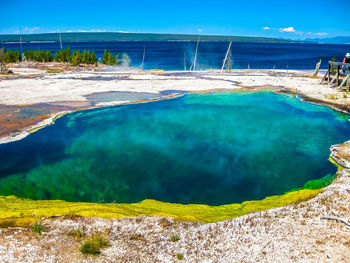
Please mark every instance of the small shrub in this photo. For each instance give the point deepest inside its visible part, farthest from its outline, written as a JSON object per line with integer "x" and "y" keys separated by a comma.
{"x": 90, "y": 248}
{"x": 93, "y": 245}
{"x": 180, "y": 256}
{"x": 174, "y": 238}
{"x": 78, "y": 233}
{"x": 38, "y": 228}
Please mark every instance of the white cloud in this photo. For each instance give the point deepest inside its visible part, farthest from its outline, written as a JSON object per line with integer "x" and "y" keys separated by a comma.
{"x": 83, "y": 30}
{"x": 288, "y": 29}
{"x": 321, "y": 34}
{"x": 200, "y": 30}
{"x": 30, "y": 30}
{"x": 293, "y": 30}
{"x": 90, "y": 30}
{"x": 123, "y": 31}
{"x": 283, "y": 29}
{"x": 317, "y": 34}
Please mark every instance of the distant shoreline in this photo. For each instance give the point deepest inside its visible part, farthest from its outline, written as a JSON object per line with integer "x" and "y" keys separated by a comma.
{"x": 137, "y": 37}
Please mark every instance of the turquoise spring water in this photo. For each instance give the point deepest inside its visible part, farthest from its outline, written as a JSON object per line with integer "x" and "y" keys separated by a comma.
{"x": 212, "y": 148}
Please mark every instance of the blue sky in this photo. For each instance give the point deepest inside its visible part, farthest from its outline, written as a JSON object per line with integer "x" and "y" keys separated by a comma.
{"x": 293, "y": 19}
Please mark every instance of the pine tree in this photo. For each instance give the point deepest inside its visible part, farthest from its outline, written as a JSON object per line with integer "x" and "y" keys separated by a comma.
{"x": 105, "y": 57}
{"x": 111, "y": 59}
{"x": 64, "y": 55}
{"x": 9, "y": 56}
{"x": 93, "y": 59}
{"x": 17, "y": 56}
{"x": 58, "y": 56}
{"x": 85, "y": 57}
{"x": 48, "y": 56}
{"x": 108, "y": 58}
{"x": 38, "y": 56}
{"x": 76, "y": 60}
{"x": 68, "y": 57}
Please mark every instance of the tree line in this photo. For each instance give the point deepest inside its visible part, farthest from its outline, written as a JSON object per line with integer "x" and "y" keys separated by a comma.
{"x": 75, "y": 58}
{"x": 37, "y": 55}
{"x": 10, "y": 55}
{"x": 109, "y": 59}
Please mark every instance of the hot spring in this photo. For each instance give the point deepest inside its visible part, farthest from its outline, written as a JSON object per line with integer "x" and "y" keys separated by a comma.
{"x": 210, "y": 148}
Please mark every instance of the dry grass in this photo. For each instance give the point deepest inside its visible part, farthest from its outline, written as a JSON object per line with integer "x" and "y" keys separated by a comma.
{"x": 55, "y": 70}
{"x": 78, "y": 233}
{"x": 306, "y": 76}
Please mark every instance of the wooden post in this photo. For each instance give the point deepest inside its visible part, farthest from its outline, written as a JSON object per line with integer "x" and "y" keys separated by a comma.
{"x": 335, "y": 78}
{"x": 338, "y": 69}
{"x": 345, "y": 82}
{"x": 317, "y": 68}
{"x": 324, "y": 79}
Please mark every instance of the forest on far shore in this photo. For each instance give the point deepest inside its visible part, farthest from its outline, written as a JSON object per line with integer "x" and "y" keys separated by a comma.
{"x": 75, "y": 58}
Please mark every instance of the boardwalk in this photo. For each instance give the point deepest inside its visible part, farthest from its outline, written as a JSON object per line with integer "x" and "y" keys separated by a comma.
{"x": 338, "y": 75}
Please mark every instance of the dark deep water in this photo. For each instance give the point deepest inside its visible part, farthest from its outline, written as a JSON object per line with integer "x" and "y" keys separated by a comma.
{"x": 212, "y": 148}
{"x": 170, "y": 55}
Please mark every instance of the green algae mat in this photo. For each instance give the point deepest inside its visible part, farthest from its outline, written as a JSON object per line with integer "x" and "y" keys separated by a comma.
{"x": 217, "y": 149}
{"x": 16, "y": 211}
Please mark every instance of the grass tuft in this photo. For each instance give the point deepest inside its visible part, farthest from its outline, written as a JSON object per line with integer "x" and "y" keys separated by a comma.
{"x": 38, "y": 228}
{"x": 78, "y": 233}
{"x": 93, "y": 245}
{"x": 174, "y": 238}
{"x": 180, "y": 256}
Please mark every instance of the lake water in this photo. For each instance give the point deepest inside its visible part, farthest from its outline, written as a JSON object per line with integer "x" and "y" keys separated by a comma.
{"x": 171, "y": 55}
{"x": 212, "y": 148}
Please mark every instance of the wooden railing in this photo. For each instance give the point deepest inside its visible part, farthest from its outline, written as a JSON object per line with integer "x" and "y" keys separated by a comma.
{"x": 338, "y": 74}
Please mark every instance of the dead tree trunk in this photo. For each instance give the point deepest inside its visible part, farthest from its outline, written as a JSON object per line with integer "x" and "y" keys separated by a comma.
{"x": 3, "y": 67}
